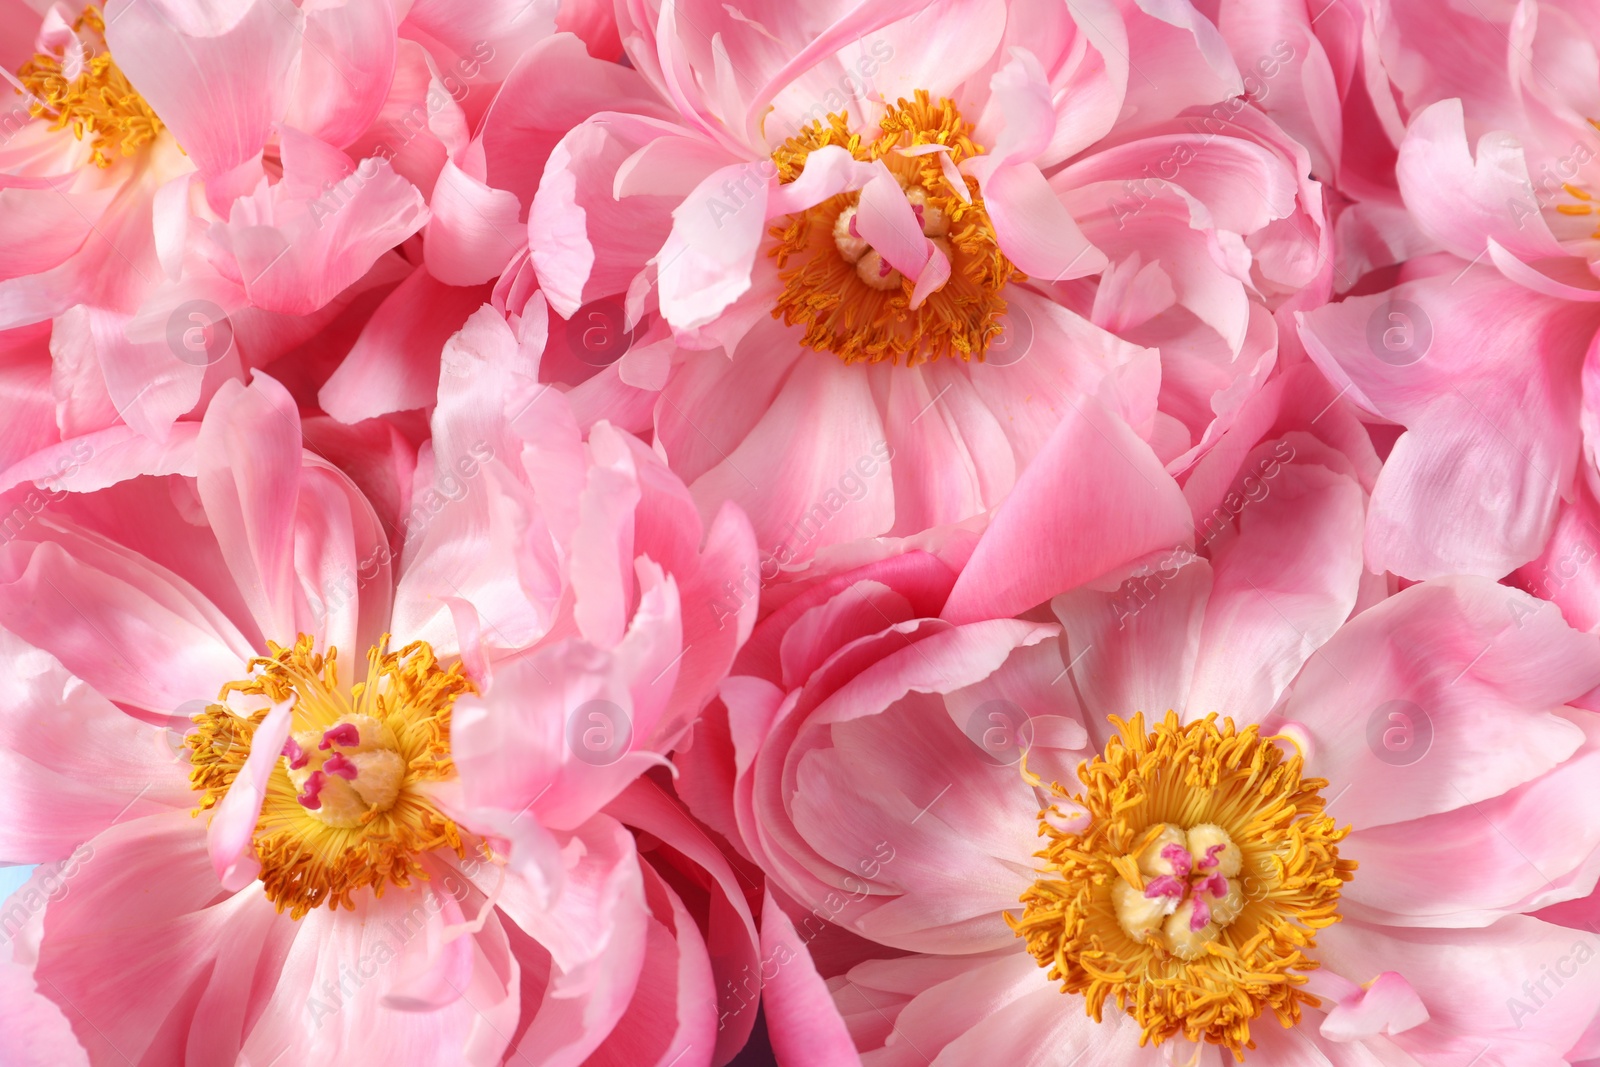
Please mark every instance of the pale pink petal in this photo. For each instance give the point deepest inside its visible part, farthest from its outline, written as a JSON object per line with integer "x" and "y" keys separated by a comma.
{"x": 35, "y": 1032}
{"x": 394, "y": 364}
{"x": 1280, "y": 589}
{"x": 1530, "y": 847}
{"x": 1096, "y": 498}
{"x": 249, "y": 480}
{"x": 802, "y": 1021}
{"x": 134, "y": 953}
{"x": 329, "y": 1003}
{"x": 1433, "y": 355}
{"x": 1036, "y": 231}
{"x": 473, "y": 229}
{"x": 706, "y": 262}
{"x": 91, "y": 609}
{"x": 1387, "y": 1006}
{"x": 1461, "y": 201}
{"x": 890, "y": 226}
{"x": 1134, "y": 648}
{"x": 1500, "y": 1007}
{"x": 346, "y": 61}
{"x": 230, "y": 836}
{"x": 221, "y": 92}
{"x": 1474, "y": 671}
{"x": 595, "y": 936}
{"x": 71, "y": 763}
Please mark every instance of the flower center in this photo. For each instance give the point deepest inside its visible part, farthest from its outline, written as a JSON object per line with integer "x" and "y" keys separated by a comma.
{"x": 346, "y": 807}
{"x": 850, "y": 300}
{"x": 1202, "y": 867}
{"x": 81, "y": 86}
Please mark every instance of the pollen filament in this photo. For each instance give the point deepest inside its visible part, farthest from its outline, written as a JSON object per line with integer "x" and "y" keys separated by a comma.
{"x": 1192, "y": 893}
{"x": 344, "y": 808}
{"x": 849, "y": 300}
{"x": 94, "y": 98}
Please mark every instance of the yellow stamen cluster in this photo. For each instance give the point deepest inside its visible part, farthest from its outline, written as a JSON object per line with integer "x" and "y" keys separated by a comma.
{"x": 1198, "y": 775}
{"x": 824, "y": 292}
{"x": 94, "y": 98}
{"x": 305, "y": 861}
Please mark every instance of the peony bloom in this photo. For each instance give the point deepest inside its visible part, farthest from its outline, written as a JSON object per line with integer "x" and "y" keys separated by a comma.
{"x": 852, "y": 273}
{"x": 1484, "y": 355}
{"x": 192, "y": 190}
{"x": 1242, "y": 804}
{"x": 414, "y": 750}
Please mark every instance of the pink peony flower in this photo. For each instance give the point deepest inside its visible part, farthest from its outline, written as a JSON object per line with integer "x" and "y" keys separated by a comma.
{"x": 920, "y": 235}
{"x": 1483, "y": 356}
{"x": 1243, "y": 800}
{"x": 426, "y": 857}
{"x": 191, "y": 191}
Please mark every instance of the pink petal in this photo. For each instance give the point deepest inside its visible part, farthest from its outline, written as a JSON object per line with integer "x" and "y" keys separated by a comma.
{"x": 220, "y": 92}
{"x": 890, "y": 226}
{"x": 1035, "y": 229}
{"x": 1474, "y": 671}
{"x": 1095, "y": 499}
{"x": 233, "y": 825}
{"x": 1461, "y": 202}
{"x": 473, "y": 229}
{"x": 706, "y": 262}
{"x": 802, "y": 1021}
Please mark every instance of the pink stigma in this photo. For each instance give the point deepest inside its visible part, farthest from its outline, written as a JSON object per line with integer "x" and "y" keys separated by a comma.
{"x": 1200, "y": 918}
{"x": 1164, "y": 886}
{"x": 1180, "y": 859}
{"x": 344, "y": 734}
{"x": 1211, "y": 855}
{"x": 339, "y": 764}
{"x": 310, "y": 798}
{"x": 294, "y": 754}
